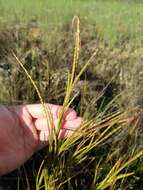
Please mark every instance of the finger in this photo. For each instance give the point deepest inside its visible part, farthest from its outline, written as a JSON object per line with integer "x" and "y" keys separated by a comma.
{"x": 36, "y": 110}
{"x": 41, "y": 124}
{"x": 44, "y": 136}
{"x": 24, "y": 117}
{"x": 65, "y": 132}
{"x": 67, "y": 129}
{"x": 70, "y": 114}
{"x": 70, "y": 127}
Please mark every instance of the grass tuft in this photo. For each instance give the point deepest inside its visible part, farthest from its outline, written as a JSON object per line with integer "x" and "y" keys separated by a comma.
{"x": 58, "y": 169}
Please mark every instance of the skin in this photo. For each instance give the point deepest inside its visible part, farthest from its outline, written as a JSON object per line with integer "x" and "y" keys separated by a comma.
{"x": 23, "y": 131}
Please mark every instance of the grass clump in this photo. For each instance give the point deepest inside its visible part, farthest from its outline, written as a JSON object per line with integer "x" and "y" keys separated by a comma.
{"x": 78, "y": 162}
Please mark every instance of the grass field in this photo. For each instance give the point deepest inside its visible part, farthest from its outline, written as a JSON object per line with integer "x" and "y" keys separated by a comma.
{"x": 116, "y": 20}
{"x": 108, "y": 93}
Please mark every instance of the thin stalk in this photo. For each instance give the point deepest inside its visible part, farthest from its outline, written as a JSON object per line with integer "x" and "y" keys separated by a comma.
{"x": 46, "y": 109}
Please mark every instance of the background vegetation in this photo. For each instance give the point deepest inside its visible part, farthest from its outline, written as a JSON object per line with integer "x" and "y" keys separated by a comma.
{"x": 42, "y": 36}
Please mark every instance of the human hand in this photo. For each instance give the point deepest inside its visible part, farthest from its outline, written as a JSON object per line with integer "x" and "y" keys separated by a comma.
{"x": 23, "y": 129}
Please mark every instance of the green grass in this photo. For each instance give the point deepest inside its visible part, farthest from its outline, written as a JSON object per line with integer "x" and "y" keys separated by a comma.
{"x": 116, "y": 21}
{"x": 58, "y": 169}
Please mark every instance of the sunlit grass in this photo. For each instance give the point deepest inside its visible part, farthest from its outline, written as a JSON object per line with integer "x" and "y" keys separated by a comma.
{"x": 126, "y": 25}
{"x": 54, "y": 172}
